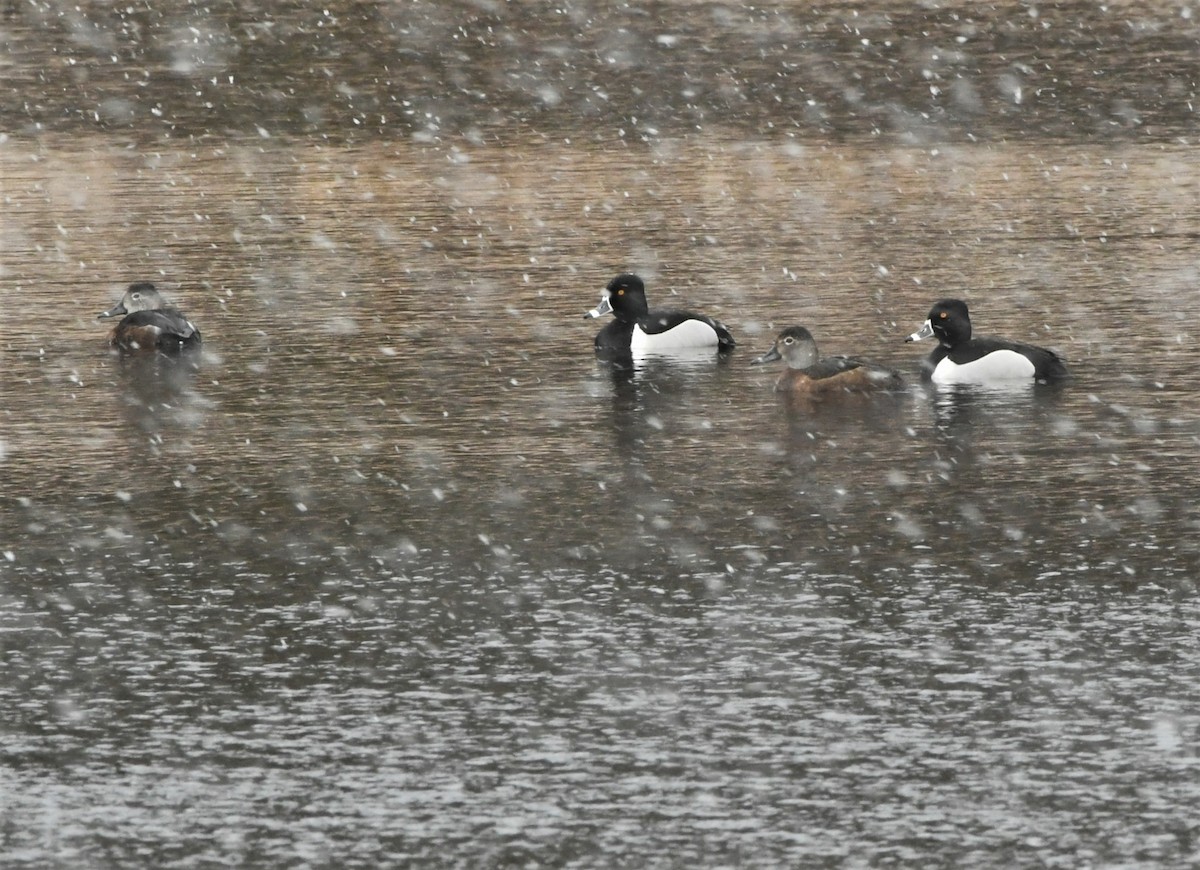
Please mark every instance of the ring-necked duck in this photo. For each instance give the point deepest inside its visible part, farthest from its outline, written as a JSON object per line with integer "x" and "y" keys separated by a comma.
{"x": 808, "y": 374}
{"x": 960, "y": 359}
{"x": 638, "y": 329}
{"x": 149, "y": 324}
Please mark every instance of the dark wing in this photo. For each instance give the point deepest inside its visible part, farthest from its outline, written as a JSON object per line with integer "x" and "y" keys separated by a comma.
{"x": 832, "y": 365}
{"x": 664, "y": 319}
{"x": 1046, "y": 363}
{"x": 166, "y": 320}
{"x": 854, "y": 374}
{"x": 171, "y": 331}
{"x": 724, "y": 336}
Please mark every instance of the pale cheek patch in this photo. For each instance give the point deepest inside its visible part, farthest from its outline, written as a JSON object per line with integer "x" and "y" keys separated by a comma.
{"x": 1000, "y": 365}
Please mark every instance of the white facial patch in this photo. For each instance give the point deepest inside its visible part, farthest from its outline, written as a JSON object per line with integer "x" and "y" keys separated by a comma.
{"x": 689, "y": 334}
{"x": 999, "y": 365}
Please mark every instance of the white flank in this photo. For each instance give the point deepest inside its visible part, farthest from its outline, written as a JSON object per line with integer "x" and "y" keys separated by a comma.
{"x": 999, "y": 365}
{"x": 690, "y": 333}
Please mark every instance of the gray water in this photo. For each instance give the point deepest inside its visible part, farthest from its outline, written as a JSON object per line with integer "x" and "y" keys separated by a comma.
{"x": 397, "y": 573}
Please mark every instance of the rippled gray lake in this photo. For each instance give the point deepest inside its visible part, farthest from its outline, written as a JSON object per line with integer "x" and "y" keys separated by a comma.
{"x": 397, "y": 573}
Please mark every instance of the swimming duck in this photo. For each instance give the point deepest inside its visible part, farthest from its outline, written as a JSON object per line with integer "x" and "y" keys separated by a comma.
{"x": 961, "y": 359}
{"x": 808, "y": 374}
{"x": 149, "y": 324}
{"x": 638, "y": 329}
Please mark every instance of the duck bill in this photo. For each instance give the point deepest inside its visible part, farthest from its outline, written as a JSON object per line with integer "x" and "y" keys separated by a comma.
{"x": 605, "y": 307}
{"x": 926, "y": 331}
{"x": 770, "y": 356}
{"x": 117, "y": 310}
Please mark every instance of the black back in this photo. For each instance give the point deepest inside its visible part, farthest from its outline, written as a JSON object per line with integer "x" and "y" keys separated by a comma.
{"x": 175, "y": 332}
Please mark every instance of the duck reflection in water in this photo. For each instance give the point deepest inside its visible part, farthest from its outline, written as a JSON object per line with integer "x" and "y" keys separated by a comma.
{"x": 158, "y": 392}
{"x": 963, "y": 410}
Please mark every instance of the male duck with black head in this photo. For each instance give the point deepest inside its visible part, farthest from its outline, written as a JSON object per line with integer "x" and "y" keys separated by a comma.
{"x": 638, "y": 329}
{"x": 961, "y": 359}
{"x": 810, "y": 376}
{"x": 148, "y": 324}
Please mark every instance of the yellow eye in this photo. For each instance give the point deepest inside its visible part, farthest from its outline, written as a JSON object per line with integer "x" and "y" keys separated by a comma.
{"x": 944, "y": 315}
{"x": 620, "y": 292}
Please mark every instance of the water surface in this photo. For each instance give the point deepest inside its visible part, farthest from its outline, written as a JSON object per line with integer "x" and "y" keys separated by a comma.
{"x": 398, "y": 573}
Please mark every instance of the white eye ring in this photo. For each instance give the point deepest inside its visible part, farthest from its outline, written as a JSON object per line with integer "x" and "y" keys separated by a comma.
{"x": 789, "y": 340}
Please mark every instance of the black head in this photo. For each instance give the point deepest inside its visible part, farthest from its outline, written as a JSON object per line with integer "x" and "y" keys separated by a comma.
{"x": 949, "y": 321}
{"x": 626, "y": 296}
